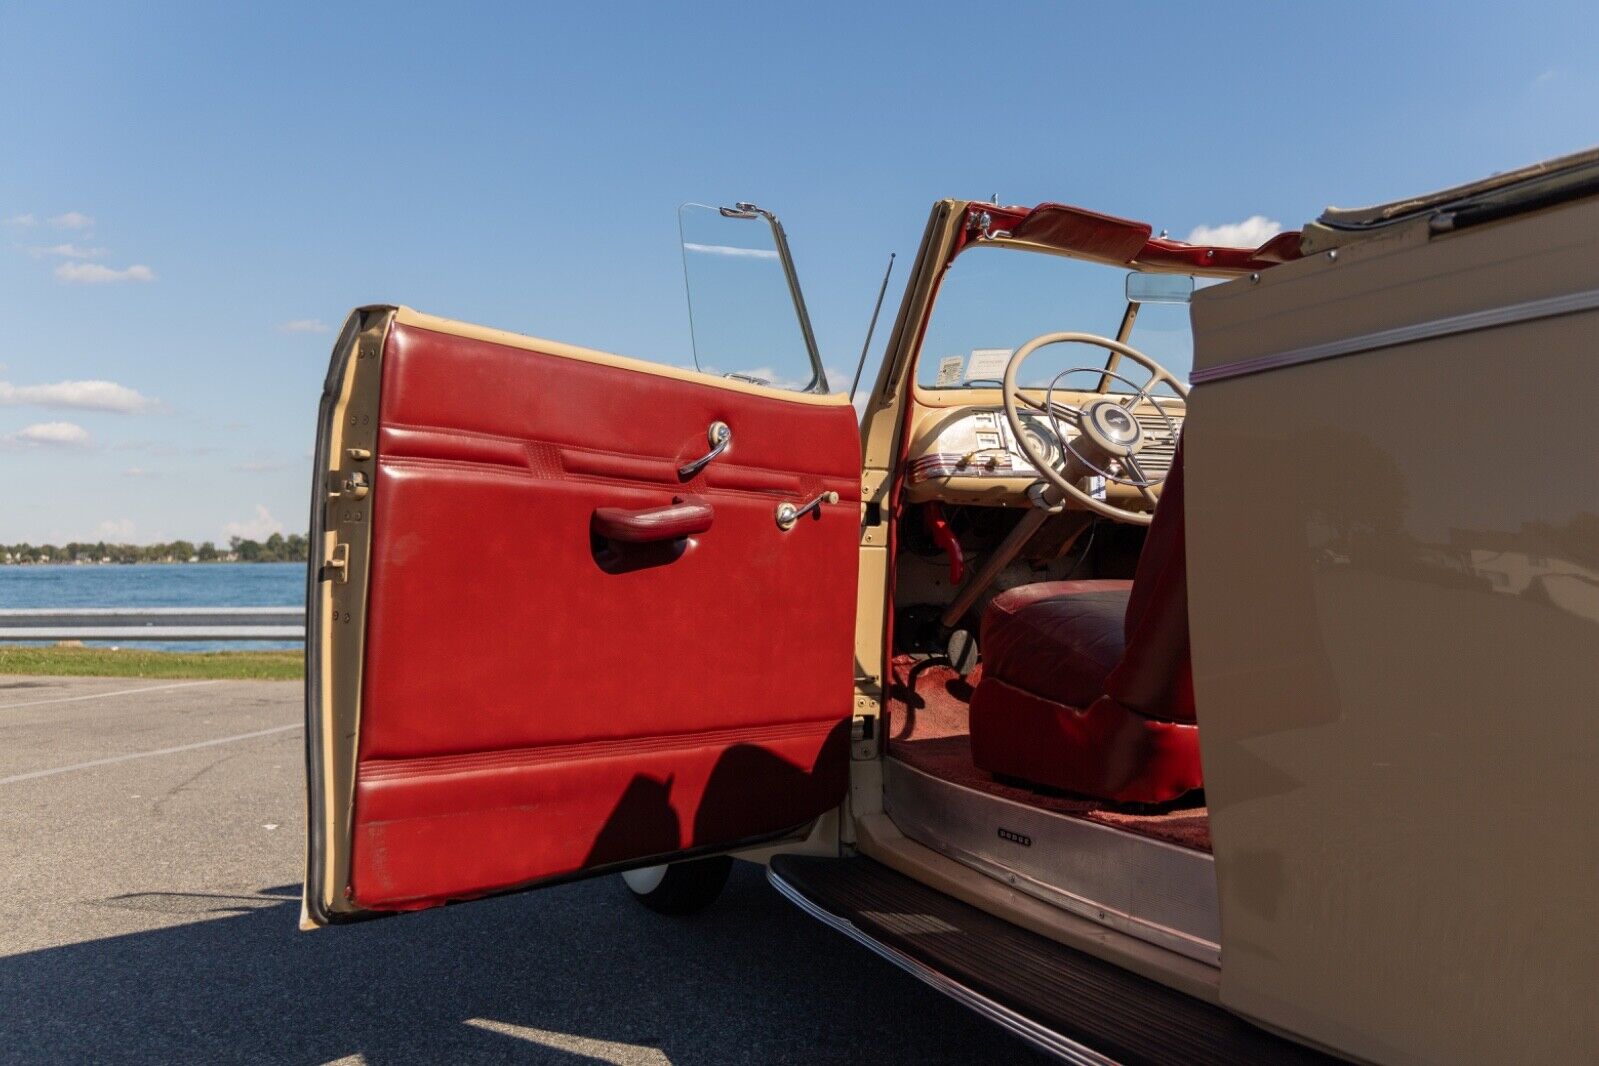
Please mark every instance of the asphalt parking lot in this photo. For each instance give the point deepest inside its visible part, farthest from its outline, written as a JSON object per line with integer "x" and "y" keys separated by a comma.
{"x": 150, "y": 858}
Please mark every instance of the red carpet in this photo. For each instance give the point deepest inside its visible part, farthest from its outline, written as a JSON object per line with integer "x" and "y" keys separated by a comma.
{"x": 928, "y": 730}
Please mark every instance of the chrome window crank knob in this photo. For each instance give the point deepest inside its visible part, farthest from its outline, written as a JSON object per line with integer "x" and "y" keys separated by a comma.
{"x": 788, "y": 514}
{"x": 718, "y": 436}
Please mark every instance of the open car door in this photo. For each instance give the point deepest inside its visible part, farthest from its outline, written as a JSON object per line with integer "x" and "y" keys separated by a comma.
{"x": 547, "y": 637}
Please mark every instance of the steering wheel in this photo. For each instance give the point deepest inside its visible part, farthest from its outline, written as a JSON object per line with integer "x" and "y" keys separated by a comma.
{"x": 1108, "y": 436}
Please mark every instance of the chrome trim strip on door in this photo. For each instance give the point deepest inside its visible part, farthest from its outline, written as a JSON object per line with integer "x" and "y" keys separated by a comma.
{"x": 1036, "y": 1034}
{"x": 1549, "y": 307}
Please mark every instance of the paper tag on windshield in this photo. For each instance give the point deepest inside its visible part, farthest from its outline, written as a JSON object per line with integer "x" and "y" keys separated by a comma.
{"x": 988, "y": 364}
{"x": 949, "y": 370}
{"x": 1096, "y": 487}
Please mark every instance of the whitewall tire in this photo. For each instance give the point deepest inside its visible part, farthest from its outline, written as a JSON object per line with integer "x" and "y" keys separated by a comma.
{"x": 679, "y": 887}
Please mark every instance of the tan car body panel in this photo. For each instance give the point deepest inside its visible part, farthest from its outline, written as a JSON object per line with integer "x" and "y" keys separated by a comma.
{"x": 1394, "y": 600}
{"x": 881, "y": 427}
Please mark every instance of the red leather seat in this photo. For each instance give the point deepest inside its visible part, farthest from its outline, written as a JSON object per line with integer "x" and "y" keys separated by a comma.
{"x": 1087, "y": 685}
{"x": 1059, "y": 639}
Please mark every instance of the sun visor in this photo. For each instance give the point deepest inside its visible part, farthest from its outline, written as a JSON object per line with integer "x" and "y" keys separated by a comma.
{"x": 1073, "y": 229}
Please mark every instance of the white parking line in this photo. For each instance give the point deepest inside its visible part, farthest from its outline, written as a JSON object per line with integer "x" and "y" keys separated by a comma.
{"x": 585, "y": 1047}
{"x": 103, "y": 695}
{"x": 14, "y": 778}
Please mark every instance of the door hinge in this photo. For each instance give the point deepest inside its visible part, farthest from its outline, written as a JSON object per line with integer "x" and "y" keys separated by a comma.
{"x": 337, "y": 567}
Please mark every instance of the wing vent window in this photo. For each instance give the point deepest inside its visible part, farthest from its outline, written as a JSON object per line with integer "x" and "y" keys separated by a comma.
{"x": 746, "y": 312}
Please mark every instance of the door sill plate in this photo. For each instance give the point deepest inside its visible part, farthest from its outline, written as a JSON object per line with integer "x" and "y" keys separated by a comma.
{"x": 1158, "y": 892}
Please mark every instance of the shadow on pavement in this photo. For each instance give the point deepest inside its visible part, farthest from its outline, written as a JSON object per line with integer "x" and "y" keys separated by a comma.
{"x": 520, "y": 979}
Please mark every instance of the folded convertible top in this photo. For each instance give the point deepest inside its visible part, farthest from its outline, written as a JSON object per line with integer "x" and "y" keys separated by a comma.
{"x": 1512, "y": 192}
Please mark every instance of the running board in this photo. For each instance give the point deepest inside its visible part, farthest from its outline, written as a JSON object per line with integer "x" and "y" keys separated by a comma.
{"x": 1076, "y": 1007}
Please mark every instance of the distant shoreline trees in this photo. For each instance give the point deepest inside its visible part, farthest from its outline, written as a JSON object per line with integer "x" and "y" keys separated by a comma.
{"x": 277, "y": 548}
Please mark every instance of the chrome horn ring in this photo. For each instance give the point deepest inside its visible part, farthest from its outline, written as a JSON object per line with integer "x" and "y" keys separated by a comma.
{"x": 1111, "y": 426}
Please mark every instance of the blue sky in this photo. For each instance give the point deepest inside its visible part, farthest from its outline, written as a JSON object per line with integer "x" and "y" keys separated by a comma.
{"x": 196, "y": 194}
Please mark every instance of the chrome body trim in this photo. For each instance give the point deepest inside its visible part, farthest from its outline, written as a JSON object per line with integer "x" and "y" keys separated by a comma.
{"x": 1509, "y": 314}
{"x": 1157, "y": 892}
{"x": 1036, "y": 1034}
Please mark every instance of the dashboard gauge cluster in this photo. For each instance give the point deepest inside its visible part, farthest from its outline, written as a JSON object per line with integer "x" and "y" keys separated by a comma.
{"x": 970, "y": 454}
{"x": 979, "y": 443}
{"x": 1041, "y": 438}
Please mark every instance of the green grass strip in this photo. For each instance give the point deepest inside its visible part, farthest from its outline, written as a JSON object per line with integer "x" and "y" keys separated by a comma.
{"x": 134, "y": 662}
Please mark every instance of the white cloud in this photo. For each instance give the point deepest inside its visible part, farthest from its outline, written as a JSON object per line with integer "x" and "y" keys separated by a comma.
{"x": 1252, "y": 232}
{"x": 258, "y": 527}
{"x": 78, "y": 396}
{"x": 136, "y": 471}
{"x": 48, "y": 435}
{"x": 72, "y": 220}
{"x": 728, "y": 249}
{"x": 28, "y": 219}
{"x": 95, "y": 274}
{"x": 303, "y": 325}
{"x": 68, "y": 251}
{"x": 117, "y": 529}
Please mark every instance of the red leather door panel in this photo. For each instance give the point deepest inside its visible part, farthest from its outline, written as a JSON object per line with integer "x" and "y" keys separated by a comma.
{"x": 540, "y": 699}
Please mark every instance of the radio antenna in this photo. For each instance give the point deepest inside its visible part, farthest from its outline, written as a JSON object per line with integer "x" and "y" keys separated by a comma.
{"x": 870, "y": 329}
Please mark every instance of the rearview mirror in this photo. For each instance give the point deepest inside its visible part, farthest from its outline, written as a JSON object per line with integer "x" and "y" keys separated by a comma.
{"x": 1159, "y": 288}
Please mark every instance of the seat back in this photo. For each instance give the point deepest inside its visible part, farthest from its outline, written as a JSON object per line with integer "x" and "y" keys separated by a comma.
{"x": 1155, "y": 676}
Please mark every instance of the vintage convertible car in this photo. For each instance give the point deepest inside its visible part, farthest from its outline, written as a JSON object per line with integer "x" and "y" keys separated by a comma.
{"x": 1251, "y": 723}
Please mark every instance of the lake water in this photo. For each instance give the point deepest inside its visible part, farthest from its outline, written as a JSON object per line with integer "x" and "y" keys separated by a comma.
{"x": 159, "y": 585}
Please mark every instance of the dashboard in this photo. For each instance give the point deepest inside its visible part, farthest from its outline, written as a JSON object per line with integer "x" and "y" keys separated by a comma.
{"x": 970, "y": 454}
{"x": 980, "y": 443}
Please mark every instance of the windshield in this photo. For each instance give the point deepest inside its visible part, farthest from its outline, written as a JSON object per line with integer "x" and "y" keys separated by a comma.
{"x": 993, "y": 300}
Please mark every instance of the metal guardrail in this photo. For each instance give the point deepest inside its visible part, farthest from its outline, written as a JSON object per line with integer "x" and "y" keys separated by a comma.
{"x": 153, "y": 623}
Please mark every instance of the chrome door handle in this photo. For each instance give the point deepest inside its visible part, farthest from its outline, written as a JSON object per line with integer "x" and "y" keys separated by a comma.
{"x": 719, "y": 437}
{"x": 788, "y": 514}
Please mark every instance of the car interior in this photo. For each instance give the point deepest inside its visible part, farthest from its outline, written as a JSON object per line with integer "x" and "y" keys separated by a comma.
{"x": 1039, "y": 635}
